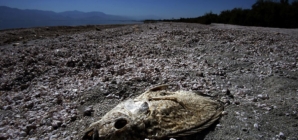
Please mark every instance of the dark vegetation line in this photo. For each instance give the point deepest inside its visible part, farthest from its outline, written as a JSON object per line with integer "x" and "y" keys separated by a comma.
{"x": 265, "y": 13}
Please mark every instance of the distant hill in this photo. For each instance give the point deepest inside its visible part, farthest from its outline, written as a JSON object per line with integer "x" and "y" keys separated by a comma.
{"x": 17, "y": 18}
{"x": 91, "y": 15}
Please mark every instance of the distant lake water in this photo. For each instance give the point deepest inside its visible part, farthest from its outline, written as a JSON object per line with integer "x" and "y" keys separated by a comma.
{"x": 11, "y": 24}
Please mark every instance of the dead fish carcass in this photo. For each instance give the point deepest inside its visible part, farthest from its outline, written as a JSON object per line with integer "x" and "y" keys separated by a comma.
{"x": 156, "y": 114}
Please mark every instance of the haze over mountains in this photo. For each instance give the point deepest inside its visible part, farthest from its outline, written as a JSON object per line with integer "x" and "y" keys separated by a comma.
{"x": 17, "y": 18}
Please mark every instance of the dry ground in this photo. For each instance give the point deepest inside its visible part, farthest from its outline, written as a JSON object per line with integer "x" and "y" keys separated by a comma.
{"x": 56, "y": 81}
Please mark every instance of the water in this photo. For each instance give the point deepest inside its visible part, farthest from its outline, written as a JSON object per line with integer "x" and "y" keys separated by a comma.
{"x": 42, "y": 23}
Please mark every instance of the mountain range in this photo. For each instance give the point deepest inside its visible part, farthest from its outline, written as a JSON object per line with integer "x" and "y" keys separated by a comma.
{"x": 18, "y": 18}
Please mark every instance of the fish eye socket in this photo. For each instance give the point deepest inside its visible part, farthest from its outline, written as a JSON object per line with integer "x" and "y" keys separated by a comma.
{"x": 120, "y": 123}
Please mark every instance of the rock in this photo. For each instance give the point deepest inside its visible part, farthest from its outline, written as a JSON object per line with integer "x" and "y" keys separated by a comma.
{"x": 195, "y": 87}
{"x": 256, "y": 126}
{"x": 23, "y": 134}
{"x": 53, "y": 137}
{"x": 227, "y": 92}
{"x": 224, "y": 113}
{"x": 30, "y": 127}
{"x": 68, "y": 138}
{"x": 73, "y": 117}
{"x": 63, "y": 125}
{"x": 18, "y": 97}
{"x": 97, "y": 29}
{"x": 34, "y": 138}
{"x": 31, "y": 120}
{"x": 56, "y": 124}
{"x": 4, "y": 136}
{"x": 218, "y": 125}
{"x": 29, "y": 105}
{"x": 225, "y": 101}
{"x": 263, "y": 96}
{"x": 7, "y": 107}
{"x": 244, "y": 129}
{"x": 88, "y": 111}
{"x": 282, "y": 135}
{"x": 254, "y": 99}
{"x": 15, "y": 44}
{"x": 50, "y": 128}
{"x": 75, "y": 132}
{"x": 111, "y": 96}
{"x": 237, "y": 102}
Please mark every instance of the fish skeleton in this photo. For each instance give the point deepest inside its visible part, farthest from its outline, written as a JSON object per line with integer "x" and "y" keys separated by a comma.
{"x": 156, "y": 114}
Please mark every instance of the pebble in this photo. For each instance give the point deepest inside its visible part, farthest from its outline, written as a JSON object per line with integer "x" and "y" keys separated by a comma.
{"x": 56, "y": 124}
{"x": 225, "y": 101}
{"x": 4, "y": 136}
{"x": 227, "y": 91}
{"x": 88, "y": 111}
{"x": 23, "y": 134}
{"x": 263, "y": 96}
{"x": 7, "y": 107}
{"x": 16, "y": 44}
{"x": 237, "y": 102}
{"x": 111, "y": 96}
{"x": 254, "y": 99}
{"x": 281, "y": 135}
{"x": 218, "y": 125}
{"x": 244, "y": 129}
{"x": 30, "y": 127}
{"x": 18, "y": 97}
{"x": 224, "y": 113}
{"x": 256, "y": 126}
{"x": 63, "y": 125}
{"x": 68, "y": 138}
{"x": 224, "y": 91}
{"x": 73, "y": 117}
{"x": 49, "y": 128}
{"x": 75, "y": 132}
{"x": 53, "y": 137}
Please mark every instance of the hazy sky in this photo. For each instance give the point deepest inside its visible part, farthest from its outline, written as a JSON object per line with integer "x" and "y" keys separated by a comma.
{"x": 160, "y": 8}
